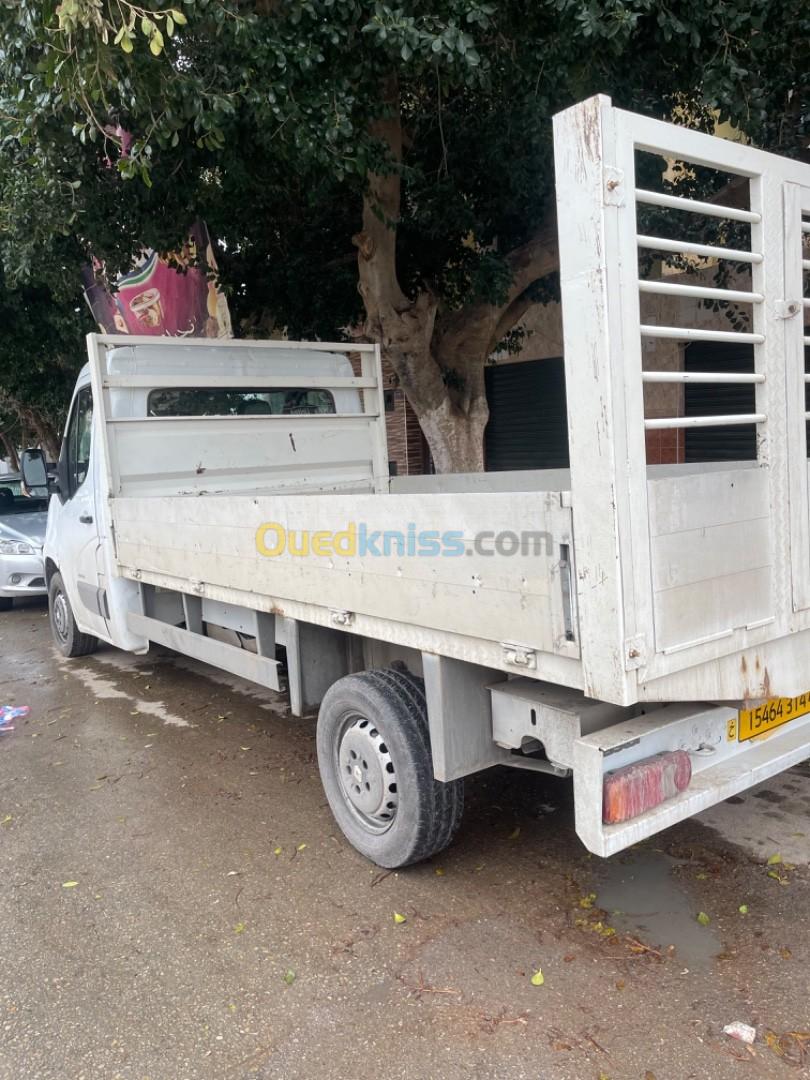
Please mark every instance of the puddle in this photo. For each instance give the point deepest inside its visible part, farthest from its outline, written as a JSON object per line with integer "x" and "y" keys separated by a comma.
{"x": 654, "y": 908}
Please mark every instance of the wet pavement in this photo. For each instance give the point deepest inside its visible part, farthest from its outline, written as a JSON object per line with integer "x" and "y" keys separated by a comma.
{"x": 177, "y": 904}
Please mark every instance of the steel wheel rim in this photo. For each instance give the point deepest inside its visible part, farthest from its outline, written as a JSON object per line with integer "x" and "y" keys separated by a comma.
{"x": 61, "y": 619}
{"x": 366, "y": 774}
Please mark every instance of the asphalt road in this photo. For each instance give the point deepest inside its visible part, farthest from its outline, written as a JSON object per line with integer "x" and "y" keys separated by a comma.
{"x": 177, "y": 904}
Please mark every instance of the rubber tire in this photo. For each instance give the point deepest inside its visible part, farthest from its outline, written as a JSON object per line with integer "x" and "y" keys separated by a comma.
{"x": 6, "y": 603}
{"x": 74, "y": 643}
{"x": 429, "y": 812}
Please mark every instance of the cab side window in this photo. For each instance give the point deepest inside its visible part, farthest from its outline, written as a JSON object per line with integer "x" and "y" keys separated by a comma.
{"x": 78, "y": 439}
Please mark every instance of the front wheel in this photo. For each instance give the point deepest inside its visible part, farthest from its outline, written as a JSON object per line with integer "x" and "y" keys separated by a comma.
{"x": 68, "y": 637}
{"x": 377, "y": 770}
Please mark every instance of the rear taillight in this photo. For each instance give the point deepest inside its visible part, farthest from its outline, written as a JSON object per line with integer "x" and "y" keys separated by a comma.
{"x": 631, "y": 790}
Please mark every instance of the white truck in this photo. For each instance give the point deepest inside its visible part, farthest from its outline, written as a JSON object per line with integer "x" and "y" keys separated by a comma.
{"x": 641, "y": 628}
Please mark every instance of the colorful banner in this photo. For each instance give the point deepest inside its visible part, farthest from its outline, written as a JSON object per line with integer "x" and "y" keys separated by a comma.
{"x": 163, "y": 296}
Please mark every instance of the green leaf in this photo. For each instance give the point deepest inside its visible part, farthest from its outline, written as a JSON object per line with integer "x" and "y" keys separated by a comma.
{"x": 703, "y": 918}
{"x": 538, "y": 978}
{"x": 399, "y": 919}
{"x": 289, "y": 976}
{"x": 774, "y": 860}
{"x": 178, "y": 17}
{"x": 126, "y": 43}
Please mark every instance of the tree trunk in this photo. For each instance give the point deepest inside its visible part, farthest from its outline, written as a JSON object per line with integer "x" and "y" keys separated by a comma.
{"x": 46, "y": 434}
{"x": 455, "y": 438}
{"x": 32, "y": 420}
{"x": 10, "y": 452}
{"x": 438, "y": 358}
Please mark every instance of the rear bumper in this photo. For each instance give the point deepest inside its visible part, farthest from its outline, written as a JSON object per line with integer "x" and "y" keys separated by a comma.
{"x": 22, "y": 575}
{"x": 721, "y": 766}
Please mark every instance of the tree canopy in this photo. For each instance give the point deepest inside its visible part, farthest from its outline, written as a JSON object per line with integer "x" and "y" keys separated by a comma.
{"x": 364, "y": 165}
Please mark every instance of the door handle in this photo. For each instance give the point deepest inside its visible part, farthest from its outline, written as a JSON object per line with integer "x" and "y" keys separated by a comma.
{"x": 86, "y": 519}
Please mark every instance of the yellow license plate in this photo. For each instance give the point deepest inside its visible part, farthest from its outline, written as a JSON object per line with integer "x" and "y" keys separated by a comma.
{"x": 771, "y": 714}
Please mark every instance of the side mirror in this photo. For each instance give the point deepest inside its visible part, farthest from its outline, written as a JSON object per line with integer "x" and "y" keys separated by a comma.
{"x": 34, "y": 472}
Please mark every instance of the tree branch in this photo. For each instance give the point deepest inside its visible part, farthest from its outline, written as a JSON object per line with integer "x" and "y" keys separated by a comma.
{"x": 470, "y": 334}
{"x": 511, "y": 317}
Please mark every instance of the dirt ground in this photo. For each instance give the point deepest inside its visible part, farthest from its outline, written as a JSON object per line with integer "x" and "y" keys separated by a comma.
{"x": 177, "y": 904}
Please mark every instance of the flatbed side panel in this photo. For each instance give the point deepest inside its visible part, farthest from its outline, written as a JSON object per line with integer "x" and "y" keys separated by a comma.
{"x": 516, "y": 598}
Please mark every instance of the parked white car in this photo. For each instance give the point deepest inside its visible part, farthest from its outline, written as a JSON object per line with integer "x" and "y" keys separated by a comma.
{"x": 22, "y": 534}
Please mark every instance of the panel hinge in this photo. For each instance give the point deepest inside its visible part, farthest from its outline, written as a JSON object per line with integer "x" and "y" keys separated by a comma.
{"x": 635, "y": 652}
{"x": 341, "y": 618}
{"x": 613, "y": 194}
{"x": 787, "y": 309}
{"x": 519, "y": 656}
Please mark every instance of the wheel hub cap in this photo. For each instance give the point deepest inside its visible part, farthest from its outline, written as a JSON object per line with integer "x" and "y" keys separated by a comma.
{"x": 60, "y": 615}
{"x": 367, "y": 774}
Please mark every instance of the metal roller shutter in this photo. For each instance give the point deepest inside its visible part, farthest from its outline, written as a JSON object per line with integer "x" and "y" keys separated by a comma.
{"x": 528, "y": 426}
{"x": 720, "y": 443}
{"x": 724, "y": 443}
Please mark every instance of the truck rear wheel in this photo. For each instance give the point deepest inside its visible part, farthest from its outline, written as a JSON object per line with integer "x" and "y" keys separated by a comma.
{"x": 377, "y": 770}
{"x": 68, "y": 637}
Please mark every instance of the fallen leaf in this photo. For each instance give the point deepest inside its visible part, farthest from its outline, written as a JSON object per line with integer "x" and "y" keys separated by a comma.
{"x": 439, "y": 871}
{"x": 399, "y": 919}
{"x": 703, "y": 918}
{"x": 277, "y": 851}
{"x": 289, "y": 976}
{"x": 587, "y": 901}
{"x": 7, "y": 819}
{"x": 300, "y": 847}
{"x": 649, "y": 1075}
{"x": 515, "y": 833}
{"x": 69, "y": 884}
{"x": 774, "y": 859}
{"x": 538, "y": 978}
{"x": 245, "y": 748}
{"x": 785, "y": 953}
{"x": 743, "y": 909}
{"x": 240, "y": 928}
